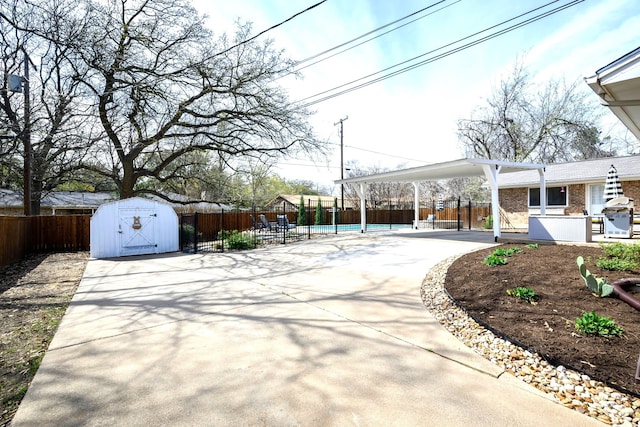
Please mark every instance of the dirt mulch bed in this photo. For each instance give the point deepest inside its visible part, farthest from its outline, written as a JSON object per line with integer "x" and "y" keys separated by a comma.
{"x": 34, "y": 294}
{"x": 548, "y": 326}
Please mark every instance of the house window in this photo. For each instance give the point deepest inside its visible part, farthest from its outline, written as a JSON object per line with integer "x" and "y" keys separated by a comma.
{"x": 556, "y": 196}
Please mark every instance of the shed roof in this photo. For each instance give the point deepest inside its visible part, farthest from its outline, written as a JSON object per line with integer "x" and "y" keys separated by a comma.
{"x": 586, "y": 171}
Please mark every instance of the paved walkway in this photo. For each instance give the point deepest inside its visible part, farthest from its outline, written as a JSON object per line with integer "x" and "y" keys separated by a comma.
{"x": 327, "y": 332}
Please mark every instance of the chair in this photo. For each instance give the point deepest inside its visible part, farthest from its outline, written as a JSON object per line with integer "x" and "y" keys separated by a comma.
{"x": 271, "y": 226}
{"x": 283, "y": 222}
{"x": 255, "y": 224}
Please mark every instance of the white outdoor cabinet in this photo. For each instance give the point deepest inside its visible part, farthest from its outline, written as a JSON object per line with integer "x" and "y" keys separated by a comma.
{"x": 133, "y": 226}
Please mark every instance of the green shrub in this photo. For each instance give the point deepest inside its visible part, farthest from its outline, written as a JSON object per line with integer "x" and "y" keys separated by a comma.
{"x": 499, "y": 256}
{"x": 488, "y": 222}
{"x": 237, "y": 240}
{"x": 524, "y": 293}
{"x": 621, "y": 256}
{"x": 187, "y": 233}
{"x": 626, "y": 251}
{"x": 616, "y": 264}
{"x": 592, "y": 323}
{"x": 506, "y": 252}
{"x": 302, "y": 213}
{"x": 493, "y": 260}
{"x": 319, "y": 214}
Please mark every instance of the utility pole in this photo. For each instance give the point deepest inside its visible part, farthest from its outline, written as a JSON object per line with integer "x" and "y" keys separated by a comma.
{"x": 26, "y": 138}
{"x": 18, "y": 84}
{"x": 341, "y": 157}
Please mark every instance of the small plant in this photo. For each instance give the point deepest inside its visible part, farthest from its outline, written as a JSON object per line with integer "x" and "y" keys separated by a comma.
{"x": 532, "y": 246}
{"x": 597, "y": 285}
{"x": 524, "y": 293}
{"x": 591, "y": 323}
{"x": 507, "y": 252}
{"x": 499, "y": 256}
{"x": 493, "y": 260}
{"x": 187, "y": 233}
{"x": 238, "y": 240}
{"x": 626, "y": 251}
{"x": 616, "y": 264}
{"x": 621, "y": 257}
{"x": 488, "y": 222}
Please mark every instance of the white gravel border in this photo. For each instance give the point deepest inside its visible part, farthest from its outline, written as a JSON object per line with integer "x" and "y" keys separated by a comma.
{"x": 565, "y": 386}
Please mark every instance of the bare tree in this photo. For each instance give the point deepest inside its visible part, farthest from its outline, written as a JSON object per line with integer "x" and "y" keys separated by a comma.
{"x": 165, "y": 88}
{"x": 161, "y": 87}
{"x": 399, "y": 194}
{"x": 522, "y": 123}
{"x": 56, "y": 122}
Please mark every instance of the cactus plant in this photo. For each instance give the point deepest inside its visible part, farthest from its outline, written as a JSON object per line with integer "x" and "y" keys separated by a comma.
{"x": 597, "y": 285}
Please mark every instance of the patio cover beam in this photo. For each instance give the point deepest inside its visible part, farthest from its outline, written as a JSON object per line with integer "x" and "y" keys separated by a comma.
{"x": 452, "y": 169}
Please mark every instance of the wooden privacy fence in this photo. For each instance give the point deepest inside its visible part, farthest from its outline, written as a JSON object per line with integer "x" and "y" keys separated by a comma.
{"x": 20, "y": 236}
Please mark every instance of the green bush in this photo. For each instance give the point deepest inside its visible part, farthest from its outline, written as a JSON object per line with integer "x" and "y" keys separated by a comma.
{"x": 493, "y": 260}
{"x": 187, "y": 233}
{"x": 237, "y": 240}
{"x": 626, "y": 251}
{"x": 591, "y": 323}
{"x": 616, "y": 264}
{"x": 319, "y": 214}
{"x": 499, "y": 256}
{"x": 621, "y": 257}
{"x": 524, "y": 293}
{"x": 302, "y": 213}
{"x": 506, "y": 252}
{"x": 488, "y": 222}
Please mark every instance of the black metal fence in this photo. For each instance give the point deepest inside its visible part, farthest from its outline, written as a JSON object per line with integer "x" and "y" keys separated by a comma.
{"x": 220, "y": 231}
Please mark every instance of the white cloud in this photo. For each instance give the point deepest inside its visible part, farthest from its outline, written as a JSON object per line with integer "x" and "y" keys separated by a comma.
{"x": 414, "y": 114}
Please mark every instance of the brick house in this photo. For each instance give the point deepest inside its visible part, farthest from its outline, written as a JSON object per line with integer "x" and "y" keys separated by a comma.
{"x": 572, "y": 188}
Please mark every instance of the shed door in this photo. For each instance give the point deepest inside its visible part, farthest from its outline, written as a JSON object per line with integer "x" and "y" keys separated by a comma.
{"x": 137, "y": 230}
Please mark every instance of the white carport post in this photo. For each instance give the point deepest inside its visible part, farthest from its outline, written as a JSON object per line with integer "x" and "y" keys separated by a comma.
{"x": 416, "y": 204}
{"x": 491, "y": 172}
{"x": 543, "y": 192}
{"x": 360, "y": 190}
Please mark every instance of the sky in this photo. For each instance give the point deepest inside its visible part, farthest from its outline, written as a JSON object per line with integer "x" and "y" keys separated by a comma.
{"x": 410, "y": 119}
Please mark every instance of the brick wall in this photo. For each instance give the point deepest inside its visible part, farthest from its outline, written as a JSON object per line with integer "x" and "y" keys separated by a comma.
{"x": 514, "y": 201}
{"x": 576, "y": 199}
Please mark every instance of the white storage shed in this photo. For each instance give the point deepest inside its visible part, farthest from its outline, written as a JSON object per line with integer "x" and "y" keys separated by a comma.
{"x": 134, "y": 226}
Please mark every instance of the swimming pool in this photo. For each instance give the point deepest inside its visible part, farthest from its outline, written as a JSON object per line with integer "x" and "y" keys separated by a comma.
{"x": 353, "y": 227}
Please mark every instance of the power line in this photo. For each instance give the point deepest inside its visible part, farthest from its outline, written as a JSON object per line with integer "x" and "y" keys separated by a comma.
{"x": 270, "y": 28}
{"x": 440, "y": 56}
{"x": 351, "y": 147}
{"x": 372, "y": 32}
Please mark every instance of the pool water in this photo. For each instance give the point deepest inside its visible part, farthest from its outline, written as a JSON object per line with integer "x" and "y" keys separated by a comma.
{"x": 355, "y": 227}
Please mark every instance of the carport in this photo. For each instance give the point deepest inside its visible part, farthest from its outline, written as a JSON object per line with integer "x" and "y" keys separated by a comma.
{"x": 446, "y": 170}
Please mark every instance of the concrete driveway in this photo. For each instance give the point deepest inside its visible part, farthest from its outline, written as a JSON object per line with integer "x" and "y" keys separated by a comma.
{"x": 330, "y": 331}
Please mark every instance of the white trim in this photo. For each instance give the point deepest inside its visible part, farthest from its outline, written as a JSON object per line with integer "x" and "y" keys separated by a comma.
{"x": 453, "y": 169}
